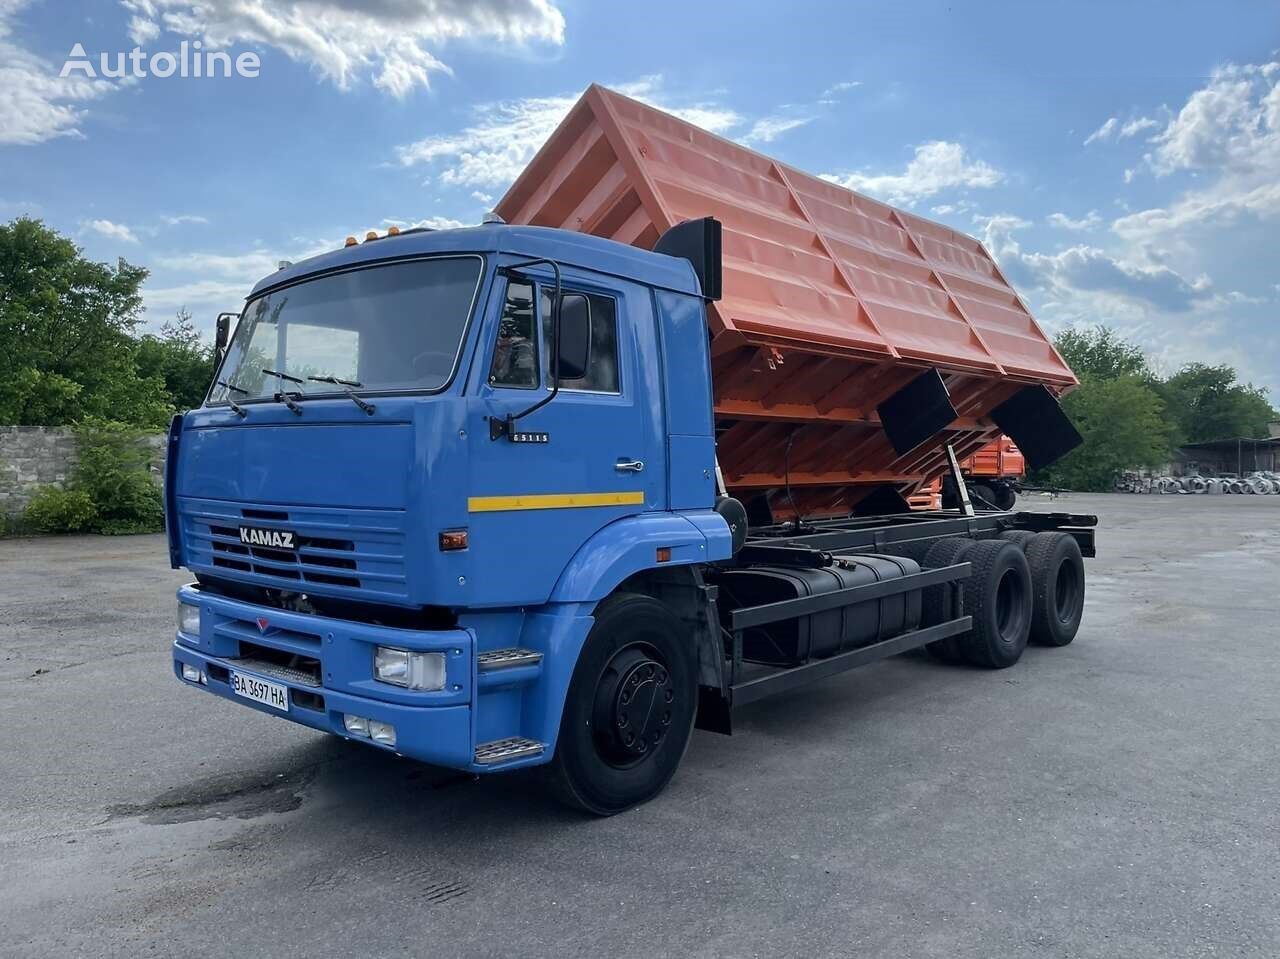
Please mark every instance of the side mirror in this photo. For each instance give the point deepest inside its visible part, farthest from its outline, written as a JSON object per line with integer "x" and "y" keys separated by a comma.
{"x": 575, "y": 336}
{"x": 224, "y": 331}
{"x": 222, "y": 335}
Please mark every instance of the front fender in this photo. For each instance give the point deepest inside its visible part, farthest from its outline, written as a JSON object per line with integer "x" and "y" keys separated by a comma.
{"x": 630, "y": 545}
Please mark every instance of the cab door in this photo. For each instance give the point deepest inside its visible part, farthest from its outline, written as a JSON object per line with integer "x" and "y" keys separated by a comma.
{"x": 593, "y": 455}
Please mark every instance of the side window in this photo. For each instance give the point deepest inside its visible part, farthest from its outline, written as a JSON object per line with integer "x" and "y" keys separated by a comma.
{"x": 515, "y": 358}
{"x": 601, "y": 374}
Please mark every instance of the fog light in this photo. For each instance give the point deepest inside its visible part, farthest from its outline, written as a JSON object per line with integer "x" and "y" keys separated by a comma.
{"x": 400, "y": 667}
{"x": 189, "y": 619}
{"x": 193, "y": 675}
{"x": 383, "y": 733}
{"x": 356, "y": 725}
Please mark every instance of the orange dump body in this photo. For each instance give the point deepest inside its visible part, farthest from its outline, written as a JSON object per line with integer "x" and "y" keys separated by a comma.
{"x": 832, "y": 301}
{"x": 1000, "y": 458}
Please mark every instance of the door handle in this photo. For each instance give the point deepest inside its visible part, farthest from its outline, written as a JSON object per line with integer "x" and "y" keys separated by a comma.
{"x": 630, "y": 466}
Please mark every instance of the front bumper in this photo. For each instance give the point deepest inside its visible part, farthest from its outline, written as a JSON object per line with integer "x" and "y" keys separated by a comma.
{"x": 435, "y": 727}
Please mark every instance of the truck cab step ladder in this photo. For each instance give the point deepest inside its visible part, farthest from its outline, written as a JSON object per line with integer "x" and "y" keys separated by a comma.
{"x": 496, "y": 659}
{"x": 506, "y": 750}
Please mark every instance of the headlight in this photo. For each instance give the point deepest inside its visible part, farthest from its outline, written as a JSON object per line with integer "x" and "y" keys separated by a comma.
{"x": 193, "y": 675}
{"x": 189, "y": 619}
{"x": 400, "y": 667}
{"x": 383, "y": 733}
{"x": 355, "y": 725}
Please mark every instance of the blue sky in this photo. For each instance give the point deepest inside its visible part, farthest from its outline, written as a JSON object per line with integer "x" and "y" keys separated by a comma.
{"x": 1122, "y": 160}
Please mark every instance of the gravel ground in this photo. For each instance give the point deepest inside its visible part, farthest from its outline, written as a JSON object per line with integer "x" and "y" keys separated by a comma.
{"x": 1118, "y": 797}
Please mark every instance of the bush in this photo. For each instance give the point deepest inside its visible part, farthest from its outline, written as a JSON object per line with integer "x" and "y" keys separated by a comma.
{"x": 114, "y": 469}
{"x": 110, "y": 491}
{"x": 57, "y": 510}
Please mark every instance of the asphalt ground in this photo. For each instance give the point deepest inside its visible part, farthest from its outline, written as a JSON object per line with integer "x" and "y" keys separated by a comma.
{"x": 1118, "y": 797}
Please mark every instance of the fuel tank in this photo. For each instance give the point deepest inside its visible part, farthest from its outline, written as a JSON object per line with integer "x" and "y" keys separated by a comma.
{"x": 819, "y": 635}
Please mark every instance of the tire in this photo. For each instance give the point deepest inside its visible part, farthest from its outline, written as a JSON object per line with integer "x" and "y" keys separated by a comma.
{"x": 917, "y": 551}
{"x": 1005, "y": 496}
{"x": 1021, "y": 537}
{"x": 982, "y": 497}
{"x": 933, "y": 603}
{"x": 1057, "y": 588}
{"x": 637, "y": 654}
{"x": 998, "y": 597}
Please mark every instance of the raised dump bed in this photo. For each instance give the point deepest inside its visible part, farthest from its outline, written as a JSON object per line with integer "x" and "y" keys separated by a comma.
{"x": 836, "y": 310}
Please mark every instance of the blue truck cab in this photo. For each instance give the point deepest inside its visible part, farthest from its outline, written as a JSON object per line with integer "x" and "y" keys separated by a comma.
{"x": 382, "y": 553}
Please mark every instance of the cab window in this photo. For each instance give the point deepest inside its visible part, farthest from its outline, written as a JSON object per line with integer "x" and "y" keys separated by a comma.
{"x": 515, "y": 358}
{"x": 601, "y": 373}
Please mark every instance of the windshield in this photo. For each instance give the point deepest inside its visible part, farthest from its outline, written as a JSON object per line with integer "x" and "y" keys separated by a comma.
{"x": 396, "y": 327}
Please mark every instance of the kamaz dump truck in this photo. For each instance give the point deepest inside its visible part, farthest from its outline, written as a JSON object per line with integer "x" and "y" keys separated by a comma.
{"x": 992, "y": 477}
{"x": 556, "y": 490}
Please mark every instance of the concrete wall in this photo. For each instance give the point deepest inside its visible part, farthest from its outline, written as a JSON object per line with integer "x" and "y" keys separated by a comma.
{"x": 35, "y": 456}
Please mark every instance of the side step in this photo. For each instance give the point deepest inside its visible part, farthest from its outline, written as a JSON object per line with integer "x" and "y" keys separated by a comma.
{"x": 496, "y": 659}
{"x": 505, "y": 750}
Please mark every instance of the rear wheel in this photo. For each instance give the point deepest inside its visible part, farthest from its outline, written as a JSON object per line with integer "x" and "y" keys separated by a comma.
{"x": 934, "y": 608}
{"x": 630, "y": 708}
{"x": 1005, "y": 496}
{"x": 1021, "y": 537}
{"x": 983, "y": 497}
{"x": 1057, "y": 588}
{"x": 998, "y": 597}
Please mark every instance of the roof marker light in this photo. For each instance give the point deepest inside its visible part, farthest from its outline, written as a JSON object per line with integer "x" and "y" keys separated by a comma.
{"x": 371, "y": 235}
{"x": 351, "y": 241}
{"x": 393, "y": 231}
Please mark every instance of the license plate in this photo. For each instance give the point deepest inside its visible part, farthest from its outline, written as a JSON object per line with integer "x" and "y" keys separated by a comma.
{"x": 261, "y": 691}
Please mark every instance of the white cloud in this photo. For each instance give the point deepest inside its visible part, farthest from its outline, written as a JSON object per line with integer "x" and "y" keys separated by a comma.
{"x": 248, "y": 267}
{"x": 1090, "y": 269}
{"x": 430, "y": 223}
{"x": 936, "y": 166}
{"x": 204, "y": 298}
{"x": 35, "y": 103}
{"x": 1089, "y": 221}
{"x": 1134, "y": 127}
{"x": 1113, "y": 129}
{"x": 1228, "y": 132}
{"x": 1233, "y": 122}
{"x": 1076, "y": 273}
{"x": 768, "y": 129}
{"x": 388, "y": 41}
{"x": 485, "y": 198}
{"x": 1104, "y": 132}
{"x": 112, "y": 231}
{"x": 837, "y": 88}
{"x": 184, "y": 218}
{"x": 500, "y": 143}
{"x": 142, "y": 31}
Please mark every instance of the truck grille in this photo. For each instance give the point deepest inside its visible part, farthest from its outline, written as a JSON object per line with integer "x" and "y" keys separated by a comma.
{"x": 230, "y": 553}
{"x": 337, "y": 552}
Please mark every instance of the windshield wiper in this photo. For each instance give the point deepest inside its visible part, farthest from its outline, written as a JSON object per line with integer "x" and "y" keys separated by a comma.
{"x": 283, "y": 397}
{"x": 283, "y": 376}
{"x": 235, "y": 407}
{"x": 346, "y": 387}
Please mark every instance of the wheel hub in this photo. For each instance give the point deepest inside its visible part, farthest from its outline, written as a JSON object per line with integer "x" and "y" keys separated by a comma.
{"x": 634, "y": 704}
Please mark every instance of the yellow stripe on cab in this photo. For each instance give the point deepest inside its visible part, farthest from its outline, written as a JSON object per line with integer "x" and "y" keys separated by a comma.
{"x": 500, "y": 504}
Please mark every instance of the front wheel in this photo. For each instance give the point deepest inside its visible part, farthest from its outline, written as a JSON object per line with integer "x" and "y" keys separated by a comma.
{"x": 630, "y": 708}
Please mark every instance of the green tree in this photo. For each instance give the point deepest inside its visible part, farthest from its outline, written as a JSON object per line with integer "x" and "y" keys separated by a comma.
{"x": 179, "y": 357}
{"x": 1123, "y": 425}
{"x": 1099, "y": 353}
{"x": 66, "y": 325}
{"x": 1207, "y": 403}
